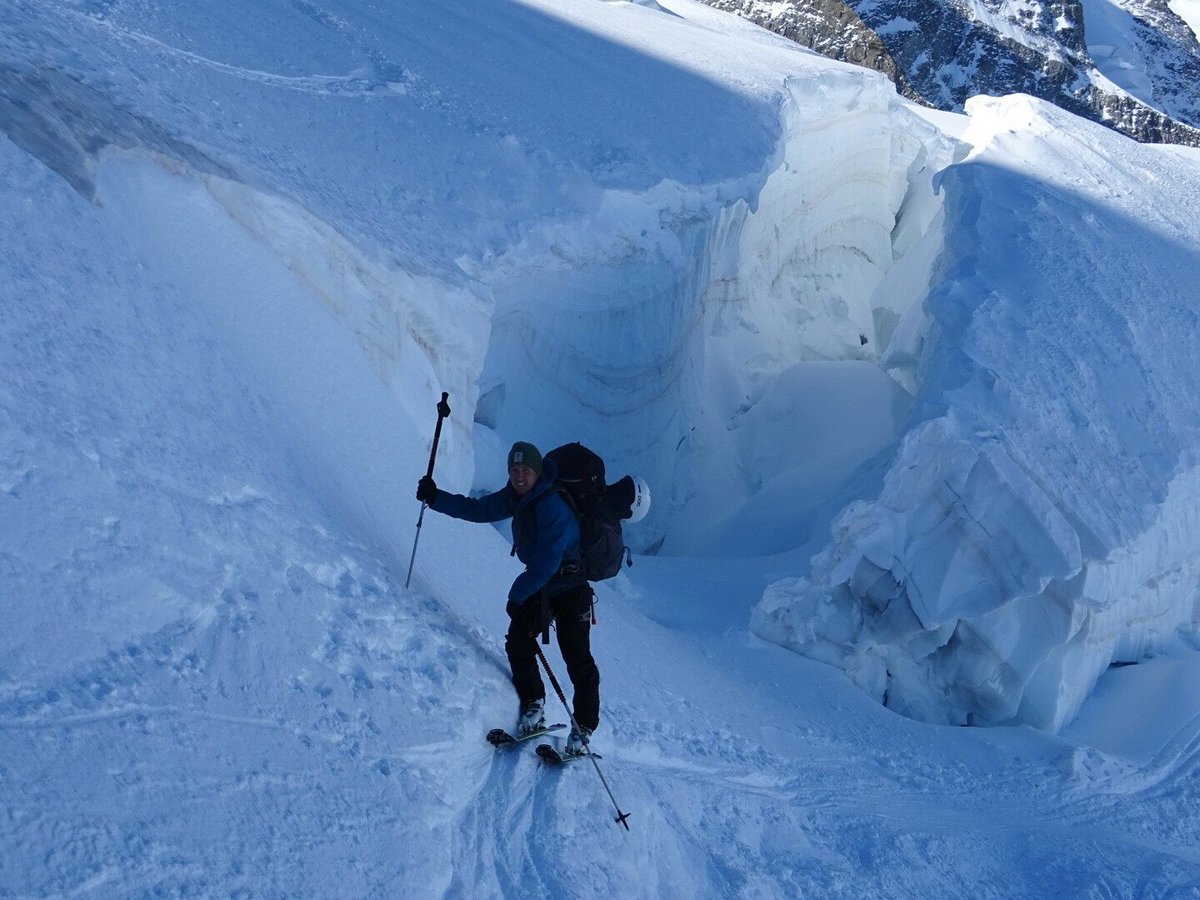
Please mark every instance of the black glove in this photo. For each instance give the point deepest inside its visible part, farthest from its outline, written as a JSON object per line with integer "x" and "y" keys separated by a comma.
{"x": 427, "y": 490}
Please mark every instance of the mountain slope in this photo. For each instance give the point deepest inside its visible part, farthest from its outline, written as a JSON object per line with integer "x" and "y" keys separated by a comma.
{"x": 1131, "y": 66}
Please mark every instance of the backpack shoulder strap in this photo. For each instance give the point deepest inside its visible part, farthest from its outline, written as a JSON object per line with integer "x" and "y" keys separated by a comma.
{"x": 532, "y": 508}
{"x": 566, "y": 495}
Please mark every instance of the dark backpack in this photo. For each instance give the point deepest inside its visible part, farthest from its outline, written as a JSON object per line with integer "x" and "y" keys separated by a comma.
{"x": 581, "y": 483}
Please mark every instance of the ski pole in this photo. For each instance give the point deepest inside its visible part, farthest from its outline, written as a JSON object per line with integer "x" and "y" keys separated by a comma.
{"x": 622, "y": 817}
{"x": 443, "y": 411}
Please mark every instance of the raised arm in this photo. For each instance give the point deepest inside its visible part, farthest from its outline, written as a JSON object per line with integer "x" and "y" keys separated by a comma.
{"x": 488, "y": 508}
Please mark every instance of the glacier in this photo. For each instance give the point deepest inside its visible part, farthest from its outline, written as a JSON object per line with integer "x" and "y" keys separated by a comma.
{"x": 912, "y": 390}
{"x": 1035, "y": 523}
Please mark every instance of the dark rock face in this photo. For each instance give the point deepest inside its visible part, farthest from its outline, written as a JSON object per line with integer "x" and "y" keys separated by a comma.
{"x": 829, "y": 27}
{"x": 941, "y": 52}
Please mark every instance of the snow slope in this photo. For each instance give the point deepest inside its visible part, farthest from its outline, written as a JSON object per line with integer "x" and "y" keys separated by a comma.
{"x": 1146, "y": 48}
{"x": 246, "y": 248}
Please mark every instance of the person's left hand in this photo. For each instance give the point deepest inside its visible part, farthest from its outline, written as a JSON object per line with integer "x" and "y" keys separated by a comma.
{"x": 427, "y": 490}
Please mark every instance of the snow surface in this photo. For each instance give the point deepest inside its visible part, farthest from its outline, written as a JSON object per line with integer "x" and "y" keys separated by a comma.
{"x": 246, "y": 246}
{"x": 1112, "y": 44}
{"x": 1144, "y": 47}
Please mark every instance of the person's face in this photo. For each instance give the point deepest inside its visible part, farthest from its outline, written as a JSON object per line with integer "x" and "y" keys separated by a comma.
{"x": 523, "y": 479}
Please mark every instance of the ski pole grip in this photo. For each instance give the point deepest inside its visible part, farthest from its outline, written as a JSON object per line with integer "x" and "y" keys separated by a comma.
{"x": 443, "y": 410}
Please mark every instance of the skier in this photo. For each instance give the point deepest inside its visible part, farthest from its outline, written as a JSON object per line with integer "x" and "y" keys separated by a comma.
{"x": 552, "y": 587}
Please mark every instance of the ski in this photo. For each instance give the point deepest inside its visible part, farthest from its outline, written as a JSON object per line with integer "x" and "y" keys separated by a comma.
{"x": 498, "y": 737}
{"x": 553, "y": 759}
{"x": 547, "y": 754}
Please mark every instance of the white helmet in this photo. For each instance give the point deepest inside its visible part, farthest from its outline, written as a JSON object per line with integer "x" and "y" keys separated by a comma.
{"x": 641, "y": 500}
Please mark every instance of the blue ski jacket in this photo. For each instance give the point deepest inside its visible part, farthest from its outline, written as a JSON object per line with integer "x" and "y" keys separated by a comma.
{"x": 544, "y": 529}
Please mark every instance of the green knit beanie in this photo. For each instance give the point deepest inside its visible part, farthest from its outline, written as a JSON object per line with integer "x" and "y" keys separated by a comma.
{"x": 525, "y": 454}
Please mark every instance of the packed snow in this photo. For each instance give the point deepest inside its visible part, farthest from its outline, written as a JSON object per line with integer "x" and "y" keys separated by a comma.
{"x": 914, "y": 393}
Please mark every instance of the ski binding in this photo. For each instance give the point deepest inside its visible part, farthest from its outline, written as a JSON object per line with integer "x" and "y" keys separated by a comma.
{"x": 548, "y": 754}
{"x": 498, "y": 737}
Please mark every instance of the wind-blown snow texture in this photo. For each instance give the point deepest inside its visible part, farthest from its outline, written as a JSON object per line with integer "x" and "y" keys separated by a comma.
{"x": 247, "y": 246}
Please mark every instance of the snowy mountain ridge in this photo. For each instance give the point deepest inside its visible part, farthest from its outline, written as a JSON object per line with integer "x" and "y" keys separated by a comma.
{"x": 1133, "y": 66}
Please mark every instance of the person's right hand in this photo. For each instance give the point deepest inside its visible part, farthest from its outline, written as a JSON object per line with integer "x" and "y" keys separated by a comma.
{"x": 427, "y": 490}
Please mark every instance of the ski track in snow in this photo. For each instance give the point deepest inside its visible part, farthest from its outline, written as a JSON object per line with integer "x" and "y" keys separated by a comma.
{"x": 403, "y": 83}
{"x": 303, "y": 758}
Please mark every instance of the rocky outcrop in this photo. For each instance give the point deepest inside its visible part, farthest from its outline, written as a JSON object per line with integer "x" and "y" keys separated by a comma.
{"x": 829, "y": 27}
{"x": 941, "y": 52}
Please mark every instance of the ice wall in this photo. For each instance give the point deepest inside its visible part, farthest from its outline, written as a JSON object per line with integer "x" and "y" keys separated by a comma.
{"x": 1038, "y": 520}
{"x": 649, "y": 248}
{"x": 665, "y": 316}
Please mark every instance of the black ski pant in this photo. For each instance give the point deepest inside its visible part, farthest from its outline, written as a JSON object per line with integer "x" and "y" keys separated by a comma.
{"x": 572, "y": 614}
